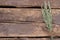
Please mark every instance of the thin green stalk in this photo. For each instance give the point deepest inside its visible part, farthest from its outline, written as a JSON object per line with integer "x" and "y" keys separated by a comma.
{"x": 46, "y": 12}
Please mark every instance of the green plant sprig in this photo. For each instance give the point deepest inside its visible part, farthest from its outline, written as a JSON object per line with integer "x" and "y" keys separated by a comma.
{"x": 46, "y": 12}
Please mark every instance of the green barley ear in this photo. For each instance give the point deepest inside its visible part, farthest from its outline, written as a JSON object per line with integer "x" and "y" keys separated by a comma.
{"x": 46, "y": 12}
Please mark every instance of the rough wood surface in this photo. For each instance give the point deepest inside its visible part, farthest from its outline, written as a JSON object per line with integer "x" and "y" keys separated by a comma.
{"x": 27, "y": 30}
{"x": 27, "y": 22}
{"x": 16, "y": 15}
{"x": 22, "y": 30}
{"x": 29, "y": 3}
{"x": 26, "y": 15}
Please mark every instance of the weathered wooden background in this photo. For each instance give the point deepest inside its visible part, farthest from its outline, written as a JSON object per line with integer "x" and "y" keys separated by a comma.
{"x": 25, "y": 21}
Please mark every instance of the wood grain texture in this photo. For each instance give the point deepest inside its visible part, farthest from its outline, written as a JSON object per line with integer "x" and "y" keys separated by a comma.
{"x": 29, "y": 3}
{"x": 21, "y": 30}
{"x": 26, "y": 15}
{"x": 19, "y": 15}
{"x": 27, "y": 30}
{"x": 15, "y": 22}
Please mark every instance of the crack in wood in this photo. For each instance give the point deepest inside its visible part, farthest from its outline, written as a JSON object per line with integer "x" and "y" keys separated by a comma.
{"x": 33, "y": 37}
{"x": 38, "y": 7}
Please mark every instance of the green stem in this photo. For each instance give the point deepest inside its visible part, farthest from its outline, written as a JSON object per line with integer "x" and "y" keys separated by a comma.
{"x": 51, "y": 37}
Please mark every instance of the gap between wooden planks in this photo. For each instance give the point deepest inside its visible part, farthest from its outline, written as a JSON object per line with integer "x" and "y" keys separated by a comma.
{"x": 29, "y": 3}
{"x": 23, "y": 38}
{"x": 28, "y": 38}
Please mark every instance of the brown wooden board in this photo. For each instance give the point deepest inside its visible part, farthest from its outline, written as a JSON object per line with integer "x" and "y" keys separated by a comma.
{"x": 34, "y": 26}
{"x": 21, "y": 30}
{"x": 21, "y": 15}
{"x": 28, "y": 3}
{"x": 27, "y": 30}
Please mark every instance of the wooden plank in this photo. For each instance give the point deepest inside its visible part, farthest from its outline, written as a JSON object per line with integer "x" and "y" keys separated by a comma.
{"x": 21, "y": 30}
{"x": 27, "y": 30}
{"x": 55, "y": 3}
{"x": 57, "y": 39}
{"x": 32, "y": 29}
{"x": 8, "y": 39}
{"x": 20, "y": 3}
{"x": 19, "y": 15}
{"x": 26, "y": 15}
{"x": 28, "y": 3}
